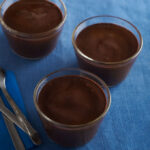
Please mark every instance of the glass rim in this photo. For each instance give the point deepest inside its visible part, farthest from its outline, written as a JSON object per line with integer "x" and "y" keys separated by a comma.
{"x": 29, "y": 35}
{"x": 63, "y": 125}
{"x": 140, "y": 45}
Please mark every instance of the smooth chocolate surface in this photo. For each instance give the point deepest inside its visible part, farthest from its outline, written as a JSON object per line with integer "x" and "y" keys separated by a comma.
{"x": 34, "y": 16}
{"x": 72, "y": 99}
{"x": 107, "y": 42}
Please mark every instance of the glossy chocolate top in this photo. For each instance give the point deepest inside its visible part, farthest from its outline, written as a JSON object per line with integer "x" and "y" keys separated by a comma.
{"x": 34, "y": 16}
{"x": 107, "y": 42}
{"x": 72, "y": 100}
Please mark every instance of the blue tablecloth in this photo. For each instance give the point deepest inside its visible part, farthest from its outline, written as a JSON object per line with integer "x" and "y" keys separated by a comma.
{"x": 127, "y": 124}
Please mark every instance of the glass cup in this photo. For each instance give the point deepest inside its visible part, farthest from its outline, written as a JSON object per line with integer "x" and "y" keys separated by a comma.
{"x": 65, "y": 134}
{"x": 111, "y": 72}
{"x": 32, "y": 46}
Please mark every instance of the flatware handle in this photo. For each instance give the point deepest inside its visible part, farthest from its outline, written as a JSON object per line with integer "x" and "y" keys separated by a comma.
{"x": 34, "y": 137}
{"x": 29, "y": 129}
{"x": 18, "y": 144}
{"x": 11, "y": 117}
{"x": 13, "y": 132}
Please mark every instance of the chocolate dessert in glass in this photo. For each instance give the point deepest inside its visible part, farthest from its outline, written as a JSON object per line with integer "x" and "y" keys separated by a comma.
{"x": 32, "y": 26}
{"x": 107, "y": 46}
{"x": 71, "y": 104}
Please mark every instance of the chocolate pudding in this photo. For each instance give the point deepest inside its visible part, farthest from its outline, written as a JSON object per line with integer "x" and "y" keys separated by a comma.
{"x": 33, "y": 16}
{"x": 73, "y": 106}
{"x": 106, "y": 49}
{"x": 107, "y": 42}
{"x": 72, "y": 100}
{"x": 34, "y": 21}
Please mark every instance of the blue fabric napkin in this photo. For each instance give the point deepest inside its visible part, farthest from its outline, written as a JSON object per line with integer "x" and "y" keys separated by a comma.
{"x": 5, "y": 139}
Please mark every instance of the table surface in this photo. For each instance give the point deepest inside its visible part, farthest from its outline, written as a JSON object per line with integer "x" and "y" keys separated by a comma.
{"x": 127, "y": 124}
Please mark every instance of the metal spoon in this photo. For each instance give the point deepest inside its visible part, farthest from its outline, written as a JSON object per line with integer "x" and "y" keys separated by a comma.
{"x": 33, "y": 134}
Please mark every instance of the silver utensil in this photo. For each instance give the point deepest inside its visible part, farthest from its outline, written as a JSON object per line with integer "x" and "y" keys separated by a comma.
{"x": 11, "y": 117}
{"x": 12, "y": 131}
{"x": 33, "y": 134}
